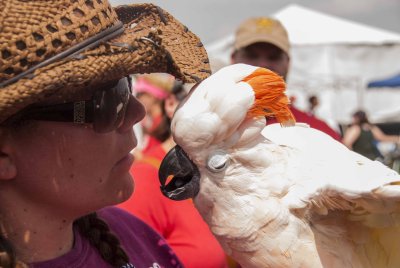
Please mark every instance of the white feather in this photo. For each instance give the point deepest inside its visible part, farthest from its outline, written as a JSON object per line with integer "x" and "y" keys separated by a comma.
{"x": 287, "y": 197}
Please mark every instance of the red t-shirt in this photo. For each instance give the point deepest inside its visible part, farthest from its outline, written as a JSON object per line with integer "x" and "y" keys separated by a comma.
{"x": 314, "y": 122}
{"x": 177, "y": 221}
{"x": 151, "y": 142}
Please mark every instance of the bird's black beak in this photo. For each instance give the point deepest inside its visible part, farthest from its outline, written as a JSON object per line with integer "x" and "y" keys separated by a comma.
{"x": 186, "y": 176}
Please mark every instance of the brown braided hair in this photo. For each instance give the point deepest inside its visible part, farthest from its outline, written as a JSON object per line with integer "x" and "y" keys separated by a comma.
{"x": 7, "y": 253}
{"x": 99, "y": 235}
{"x": 92, "y": 228}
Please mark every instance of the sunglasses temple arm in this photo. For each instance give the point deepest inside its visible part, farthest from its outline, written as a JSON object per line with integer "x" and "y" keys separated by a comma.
{"x": 78, "y": 112}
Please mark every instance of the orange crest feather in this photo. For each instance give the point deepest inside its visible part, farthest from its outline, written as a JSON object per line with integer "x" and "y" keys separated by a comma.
{"x": 270, "y": 98}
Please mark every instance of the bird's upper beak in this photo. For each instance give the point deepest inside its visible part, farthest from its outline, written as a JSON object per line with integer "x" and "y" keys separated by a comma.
{"x": 186, "y": 176}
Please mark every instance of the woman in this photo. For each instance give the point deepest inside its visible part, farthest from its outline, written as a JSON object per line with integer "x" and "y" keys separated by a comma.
{"x": 179, "y": 222}
{"x": 151, "y": 90}
{"x": 361, "y": 136}
{"x": 66, "y": 117}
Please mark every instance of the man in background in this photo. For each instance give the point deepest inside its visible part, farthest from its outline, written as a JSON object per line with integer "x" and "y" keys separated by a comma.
{"x": 264, "y": 42}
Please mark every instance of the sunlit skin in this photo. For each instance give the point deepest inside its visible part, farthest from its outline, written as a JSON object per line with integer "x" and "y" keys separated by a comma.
{"x": 54, "y": 173}
{"x": 264, "y": 55}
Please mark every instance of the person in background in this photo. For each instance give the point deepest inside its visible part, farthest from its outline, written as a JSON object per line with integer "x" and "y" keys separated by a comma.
{"x": 313, "y": 103}
{"x": 362, "y": 136}
{"x": 264, "y": 42}
{"x": 66, "y": 118}
{"x": 178, "y": 222}
{"x": 151, "y": 90}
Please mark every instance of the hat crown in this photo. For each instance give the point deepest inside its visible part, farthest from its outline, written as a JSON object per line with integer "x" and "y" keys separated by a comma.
{"x": 33, "y": 31}
{"x": 262, "y": 29}
{"x": 261, "y": 25}
{"x": 41, "y": 62}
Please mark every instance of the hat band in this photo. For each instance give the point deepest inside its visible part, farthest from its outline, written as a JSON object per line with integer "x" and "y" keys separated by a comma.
{"x": 92, "y": 41}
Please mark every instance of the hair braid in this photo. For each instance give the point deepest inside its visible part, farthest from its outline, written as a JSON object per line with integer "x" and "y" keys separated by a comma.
{"x": 99, "y": 235}
{"x": 7, "y": 253}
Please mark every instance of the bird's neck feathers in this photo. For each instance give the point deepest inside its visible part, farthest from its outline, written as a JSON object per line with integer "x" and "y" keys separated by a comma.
{"x": 270, "y": 99}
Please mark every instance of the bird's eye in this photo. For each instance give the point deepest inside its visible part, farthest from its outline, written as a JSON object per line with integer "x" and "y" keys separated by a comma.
{"x": 217, "y": 162}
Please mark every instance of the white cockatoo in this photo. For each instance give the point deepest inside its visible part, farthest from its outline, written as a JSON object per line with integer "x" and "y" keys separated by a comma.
{"x": 281, "y": 195}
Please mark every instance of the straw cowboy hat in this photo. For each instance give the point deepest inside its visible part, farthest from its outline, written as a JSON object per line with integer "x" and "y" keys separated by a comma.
{"x": 50, "y": 50}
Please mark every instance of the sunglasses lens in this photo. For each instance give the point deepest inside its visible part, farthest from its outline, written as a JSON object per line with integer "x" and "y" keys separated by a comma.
{"x": 110, "y": 105}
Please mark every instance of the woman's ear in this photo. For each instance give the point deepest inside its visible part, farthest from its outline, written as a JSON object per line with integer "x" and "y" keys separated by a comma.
{"x": 8, "y": 169}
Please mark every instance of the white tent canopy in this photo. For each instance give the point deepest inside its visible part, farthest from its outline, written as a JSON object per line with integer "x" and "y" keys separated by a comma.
{"x": 334, "y": 59}
{"x": 311, "y": 27}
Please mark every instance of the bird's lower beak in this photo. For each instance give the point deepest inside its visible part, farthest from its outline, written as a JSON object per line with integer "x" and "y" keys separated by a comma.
{"x": 185, "y": 182}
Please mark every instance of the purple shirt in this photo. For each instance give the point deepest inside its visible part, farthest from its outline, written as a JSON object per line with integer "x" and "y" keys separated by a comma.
{"x": 145, "y": 248}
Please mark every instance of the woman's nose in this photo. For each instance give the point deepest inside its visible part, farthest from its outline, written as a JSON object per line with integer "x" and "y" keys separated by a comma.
{"x": 134, "y": 113}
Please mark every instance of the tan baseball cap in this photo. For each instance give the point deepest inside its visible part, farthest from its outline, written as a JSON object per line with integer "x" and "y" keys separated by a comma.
{"x": 262, "y": 29}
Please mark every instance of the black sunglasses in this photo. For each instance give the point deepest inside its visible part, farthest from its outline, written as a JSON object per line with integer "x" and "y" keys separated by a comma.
{"x": 106, "y": 109}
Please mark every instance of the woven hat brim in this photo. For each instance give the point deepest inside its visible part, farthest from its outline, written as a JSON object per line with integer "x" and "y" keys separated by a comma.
{"x": 185, "y": 52}
{"x": 153, "y": 41}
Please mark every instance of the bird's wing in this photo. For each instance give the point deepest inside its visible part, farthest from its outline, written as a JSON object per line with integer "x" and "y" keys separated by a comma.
{"x": 342, "y": 191}
{"x": 318, "y": 163}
